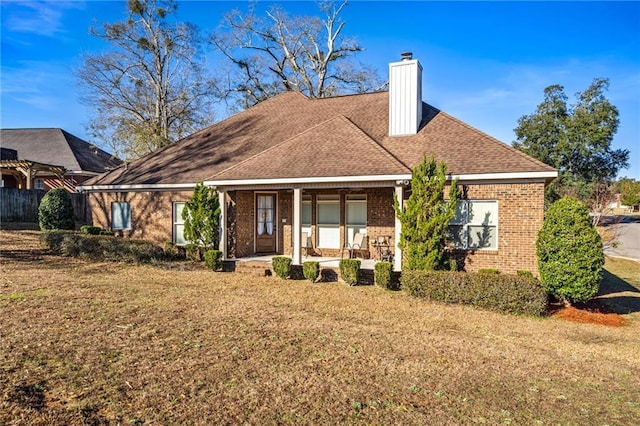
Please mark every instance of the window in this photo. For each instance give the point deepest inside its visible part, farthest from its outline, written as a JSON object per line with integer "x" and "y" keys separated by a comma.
{"x": 306, "y": 214}
{"x": 120, "y": 216}
{"x": 328, "y": 218}
{"x": 39, "y": 183}
{"x": 475, "y": 225}
{"x": 356, "y": 214}
{"x": 178, "y": 224}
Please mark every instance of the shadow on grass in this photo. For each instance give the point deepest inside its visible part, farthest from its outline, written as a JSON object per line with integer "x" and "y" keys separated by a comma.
{"x": 618, "y": 294}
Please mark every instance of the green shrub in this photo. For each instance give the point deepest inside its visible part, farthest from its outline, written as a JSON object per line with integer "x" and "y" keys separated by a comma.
{"x": 570, "y": 254}
{"x": 213, "y": 259}
{"x": 52, "y": 240}
{"x": 491, "y": 271}
{"x": 193, "y": 252}
{"x": 453, "y": 265}
{"x": 523, "y": 273}
{"x": 350, "y": 270}
{"x": 91, "y": 230}
{"x": 281, "y": 266}
{"x": 501, "y": 293}
{"x": 311, "y": 270}
{"x": 98, "y": 247}
{"x": 172, "y": 251}
{"x": 56, "y": 210}
{"x": 382, "y": 274}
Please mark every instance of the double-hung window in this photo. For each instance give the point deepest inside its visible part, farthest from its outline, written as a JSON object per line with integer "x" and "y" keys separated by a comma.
{"x": 178, "y": 224}
{"x": 328, "y": 221}
{"x": 475, "y": 225}
{"x": 120, "y": 216}
{"x": 356, "y": 215}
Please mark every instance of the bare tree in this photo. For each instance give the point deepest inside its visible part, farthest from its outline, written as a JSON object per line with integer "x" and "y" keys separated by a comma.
{"x": 278, "y": 52}
{"x": 151, "y": 88}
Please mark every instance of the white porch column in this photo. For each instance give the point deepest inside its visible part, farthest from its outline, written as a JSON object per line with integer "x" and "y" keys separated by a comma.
{"x": 223, "y": 223}
{"x": 297, "y": 226}
{"x": 397, "y": 256}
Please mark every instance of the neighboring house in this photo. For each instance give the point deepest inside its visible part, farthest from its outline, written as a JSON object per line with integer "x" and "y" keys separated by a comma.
{"x": 329, "y": 169}
{"x": 50, "y": 158}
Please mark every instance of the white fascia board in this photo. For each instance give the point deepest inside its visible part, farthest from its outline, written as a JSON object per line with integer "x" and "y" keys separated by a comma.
{"x": 378, "y": 178}
{"x": 504, "y": 176}
{"x": 297, "y": 181}
{"x": 137, "y": 188}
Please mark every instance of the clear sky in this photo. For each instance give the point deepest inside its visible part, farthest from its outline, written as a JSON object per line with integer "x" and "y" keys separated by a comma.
{"x": 486, "y": 63}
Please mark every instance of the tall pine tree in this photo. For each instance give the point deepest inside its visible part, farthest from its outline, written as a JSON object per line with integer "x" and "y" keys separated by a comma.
{"x": 426, "y": 216}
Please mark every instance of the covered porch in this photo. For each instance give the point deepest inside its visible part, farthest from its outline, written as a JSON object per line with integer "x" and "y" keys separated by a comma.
{"x": 311, "y": 221}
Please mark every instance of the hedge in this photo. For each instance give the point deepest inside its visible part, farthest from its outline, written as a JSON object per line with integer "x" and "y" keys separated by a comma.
{"x": 100, "y": 247}
{"x": 502, "y": 293}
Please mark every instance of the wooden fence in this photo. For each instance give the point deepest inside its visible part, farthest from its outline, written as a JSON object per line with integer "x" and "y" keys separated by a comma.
{"x": 21, "y": 205}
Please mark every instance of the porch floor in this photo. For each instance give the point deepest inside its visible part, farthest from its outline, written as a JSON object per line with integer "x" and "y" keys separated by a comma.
{"x": 325, "y": 262}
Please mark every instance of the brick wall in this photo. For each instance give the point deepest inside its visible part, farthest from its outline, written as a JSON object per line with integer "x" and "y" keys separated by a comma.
{"x": 520, "y": 216}
{"x": 151, "y": 212}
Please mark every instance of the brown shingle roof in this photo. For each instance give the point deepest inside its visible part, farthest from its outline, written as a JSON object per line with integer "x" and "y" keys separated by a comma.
{"x": 56, "y": 146}
{"x": 293, "y": 136}
{"x": 334, "y": 148}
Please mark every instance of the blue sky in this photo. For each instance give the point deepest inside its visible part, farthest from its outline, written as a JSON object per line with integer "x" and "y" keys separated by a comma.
{"x": 485, "y": 63}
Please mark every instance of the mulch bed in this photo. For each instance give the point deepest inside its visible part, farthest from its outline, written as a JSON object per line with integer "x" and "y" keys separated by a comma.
{"x": 592, "y": 312}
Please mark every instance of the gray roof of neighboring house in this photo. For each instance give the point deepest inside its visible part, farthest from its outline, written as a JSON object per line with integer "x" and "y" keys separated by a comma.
{"x": 58, "y": 147}
{"x": 291, "y": 135}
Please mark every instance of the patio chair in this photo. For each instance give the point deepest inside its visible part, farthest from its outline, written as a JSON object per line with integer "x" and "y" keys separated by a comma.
{"x": 357, "y": 244}
{"x": 305, "y": 243}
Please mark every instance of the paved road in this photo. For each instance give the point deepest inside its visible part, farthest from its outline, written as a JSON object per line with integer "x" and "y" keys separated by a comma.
{"x": 628, "y": 241}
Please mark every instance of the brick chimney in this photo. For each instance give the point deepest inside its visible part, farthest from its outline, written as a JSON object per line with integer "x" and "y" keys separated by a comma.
{"x": 405, "y": 96}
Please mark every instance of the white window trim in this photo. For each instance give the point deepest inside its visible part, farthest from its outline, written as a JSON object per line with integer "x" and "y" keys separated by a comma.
{"x": 466, "y": 224}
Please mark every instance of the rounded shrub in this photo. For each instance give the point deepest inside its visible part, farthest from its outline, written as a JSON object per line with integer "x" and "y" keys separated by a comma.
{"x": 311, "y": 270}
{"x": 213, "y": 259}
{"x": 56, "y": 210}
{"x": 281, "y": 266}
{"x": 570, "y": 253}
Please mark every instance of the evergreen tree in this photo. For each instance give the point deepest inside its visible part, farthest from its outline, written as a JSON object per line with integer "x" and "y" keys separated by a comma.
{"x": 56, "y": 210}
{"x": 576, "y": 139}
{"x": 570, "y": 254}
{"x": 201, "y": 216}
{"x": 426, "y": 216}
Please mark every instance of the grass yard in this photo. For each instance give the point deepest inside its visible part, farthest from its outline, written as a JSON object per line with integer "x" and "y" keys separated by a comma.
{"x": 106, "y": 343}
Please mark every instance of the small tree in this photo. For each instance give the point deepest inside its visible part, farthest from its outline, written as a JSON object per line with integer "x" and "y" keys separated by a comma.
{"x": 56, "y": 210}
{"x": 570, "y": 254}
{"x": 426, "y": 216}
{"x": 629, "y": 192}
{"x": 201, "y": 216}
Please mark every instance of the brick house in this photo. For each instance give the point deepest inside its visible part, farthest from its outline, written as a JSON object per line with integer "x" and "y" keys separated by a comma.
{"x": 328, "y": 169}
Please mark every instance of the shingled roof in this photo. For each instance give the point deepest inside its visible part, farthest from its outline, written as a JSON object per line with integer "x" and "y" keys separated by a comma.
{"x": 293, "y": 136}
{"x": 58, "y": 147}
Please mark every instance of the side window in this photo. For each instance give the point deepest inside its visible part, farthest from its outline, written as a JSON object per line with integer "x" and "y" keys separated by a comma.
{"x": 120, "y": 216}
{"x": 178, "y": 224}
{"x": 475, "y": 225}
